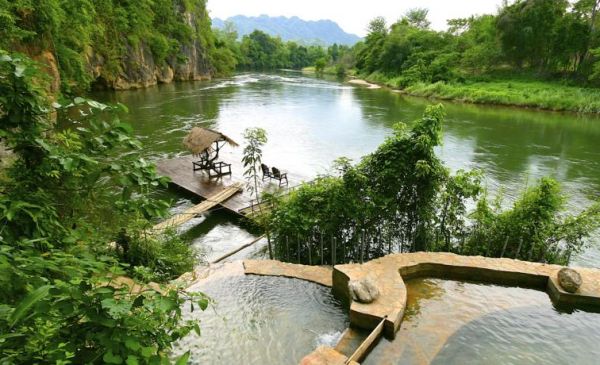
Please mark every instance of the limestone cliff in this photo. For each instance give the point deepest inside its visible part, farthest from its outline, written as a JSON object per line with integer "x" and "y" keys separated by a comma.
{"x": 138, "y": 68}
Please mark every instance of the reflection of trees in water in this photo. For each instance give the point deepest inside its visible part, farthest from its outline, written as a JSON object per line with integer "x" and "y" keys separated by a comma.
{"x": 526, "y": 335}
{"x": 162, "y": 113}
{"x": 418, "y": 292}
{"x": 512, "y": 142}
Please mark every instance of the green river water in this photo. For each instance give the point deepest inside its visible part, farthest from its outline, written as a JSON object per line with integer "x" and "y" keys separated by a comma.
{"x": 310, "y": 122}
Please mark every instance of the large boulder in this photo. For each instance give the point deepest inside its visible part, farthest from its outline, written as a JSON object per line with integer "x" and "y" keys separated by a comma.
{"x": 364, "y": 290}
{"x": 569, "y": 280}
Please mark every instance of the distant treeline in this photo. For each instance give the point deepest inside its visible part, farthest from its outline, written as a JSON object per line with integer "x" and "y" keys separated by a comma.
{"x": 553, "y": 38}
{"x": 260, "y": 51}
{"x": 543, "y": 38}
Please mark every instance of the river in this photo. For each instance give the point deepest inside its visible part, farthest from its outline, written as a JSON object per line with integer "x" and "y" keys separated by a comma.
{"x": 311, "y": 121}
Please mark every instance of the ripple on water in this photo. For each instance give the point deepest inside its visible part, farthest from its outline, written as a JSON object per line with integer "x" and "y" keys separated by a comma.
{"x": 263, "y": 320}
{"x": 450, "y": 322}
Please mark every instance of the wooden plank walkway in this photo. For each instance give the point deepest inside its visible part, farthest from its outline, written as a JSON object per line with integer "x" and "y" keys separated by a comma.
{"x": 198, "y": 183}
{"x": 194, "y": 211}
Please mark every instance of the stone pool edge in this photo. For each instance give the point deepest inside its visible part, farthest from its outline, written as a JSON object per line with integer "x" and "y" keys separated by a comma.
{"x": 316, "y": 274}
{"x": 389, "y": 272}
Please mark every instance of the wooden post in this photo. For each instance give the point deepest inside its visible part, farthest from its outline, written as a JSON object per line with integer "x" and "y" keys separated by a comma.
{"x": 332, "y": 251}
{"x": 269, "y": 244}
{"x": 504, "y": 248}
{"x": 322, "y": 253}
{"x": 362, "y": 243}
{"x": 519, "y": 248}
{"x": 287, "y": 247}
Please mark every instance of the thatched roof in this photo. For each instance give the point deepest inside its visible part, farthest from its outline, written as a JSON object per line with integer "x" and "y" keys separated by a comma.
{"x": 201, "y": 139}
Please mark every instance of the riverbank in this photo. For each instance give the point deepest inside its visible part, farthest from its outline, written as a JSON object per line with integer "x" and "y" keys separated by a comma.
{"x": 521, "y": 93}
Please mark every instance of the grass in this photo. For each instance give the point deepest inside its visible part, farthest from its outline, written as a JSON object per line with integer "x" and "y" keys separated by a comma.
{"x": 520, "y": 92}
{"x": 543, "y": 95}
{"x": 329, "y": 70}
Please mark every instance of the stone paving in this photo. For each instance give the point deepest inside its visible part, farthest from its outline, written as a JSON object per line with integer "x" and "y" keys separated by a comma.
{"x": 389, "y": 273}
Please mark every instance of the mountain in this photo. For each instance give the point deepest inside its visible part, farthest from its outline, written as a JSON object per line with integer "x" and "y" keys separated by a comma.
{"x": 323, "y": 32}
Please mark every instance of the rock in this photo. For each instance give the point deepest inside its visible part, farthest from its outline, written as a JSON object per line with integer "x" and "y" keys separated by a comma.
{"x": 569, "y": 280}
{"x": 139, "y": 69}
{"x": 50, "y": 66}
{"x": 363, "y": 291}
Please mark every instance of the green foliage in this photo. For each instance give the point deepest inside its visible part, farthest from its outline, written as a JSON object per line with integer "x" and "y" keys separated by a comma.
{"x": 535, "y": 229}
{"x": 320, "y": 65}
{"x": 227, "y": 54}
{"x": 544, "y": 38}
{"x": 529, "y": 29}
{"x": 526, "y": 93}
{"x": 390, "y": 193}
{"x": 155, "y": 258}
{"x": 260, "y": 51}
{"x": 76, "y": 30}
{"x": 255, "y": 138}
{"x": 340, "y": 70}
{"x": 63, "y": 297}
{"x": 401, "y": 198}
{"x": 417, "y": 18}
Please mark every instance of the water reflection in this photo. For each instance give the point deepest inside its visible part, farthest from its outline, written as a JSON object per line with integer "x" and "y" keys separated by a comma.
{"x": 451, "y": 322}
{"x": 529, "y": 335}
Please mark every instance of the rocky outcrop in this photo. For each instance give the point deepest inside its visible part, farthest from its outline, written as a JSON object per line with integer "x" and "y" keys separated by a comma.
{"x": 569, "y": 280}
{"x": 139, "y": 69}
{"x": 50, "y": 66}
{"x": 364, "y": 290}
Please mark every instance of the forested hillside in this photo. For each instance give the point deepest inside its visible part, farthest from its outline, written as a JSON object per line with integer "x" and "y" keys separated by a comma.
{"x": 115, "y": 44}
{"x": 306, "y": 32}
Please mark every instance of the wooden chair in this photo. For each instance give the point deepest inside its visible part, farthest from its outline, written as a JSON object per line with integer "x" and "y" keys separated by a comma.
{"x": 220, "y": 169}
{"x": 265, "y": 171}
{"x": 278, "y": 175}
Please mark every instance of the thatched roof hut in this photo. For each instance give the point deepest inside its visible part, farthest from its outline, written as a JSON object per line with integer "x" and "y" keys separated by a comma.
{"x": 202, "y": 139}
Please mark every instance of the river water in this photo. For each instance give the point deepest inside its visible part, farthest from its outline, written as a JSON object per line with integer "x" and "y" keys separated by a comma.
{"x": 310, "y": 122}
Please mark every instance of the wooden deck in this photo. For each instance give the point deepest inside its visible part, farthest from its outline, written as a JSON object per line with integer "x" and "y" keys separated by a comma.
{"x": 211, "y": 201}
{"x": 197, "y": 182}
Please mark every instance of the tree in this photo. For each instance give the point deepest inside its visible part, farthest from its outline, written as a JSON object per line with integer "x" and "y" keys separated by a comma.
{"x": 401, "y": 198}
{"x": 368, "y": 59}
{"x": 479, "y": 42}
{"x": 528, "y": 30}
{"x": 417, "y": 18}
{"x": 320, "y": 65}
{"x": 255, "y": 138}
{"x": 60, "y": 299}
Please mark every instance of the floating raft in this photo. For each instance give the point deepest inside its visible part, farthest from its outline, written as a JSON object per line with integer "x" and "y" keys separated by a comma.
{"x": 181, "y": 173}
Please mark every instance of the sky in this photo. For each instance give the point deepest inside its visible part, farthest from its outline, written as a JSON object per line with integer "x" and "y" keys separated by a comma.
{"x": 352, "y": 15}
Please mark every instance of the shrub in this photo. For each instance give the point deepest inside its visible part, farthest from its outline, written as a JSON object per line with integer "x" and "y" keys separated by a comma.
{"x": 63, "y": 294}
{"x": 401, "y": 198}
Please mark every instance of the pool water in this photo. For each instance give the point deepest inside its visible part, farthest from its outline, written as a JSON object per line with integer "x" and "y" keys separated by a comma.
{"x": 262, "y": 320}
{"x": 451, "y": 322}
